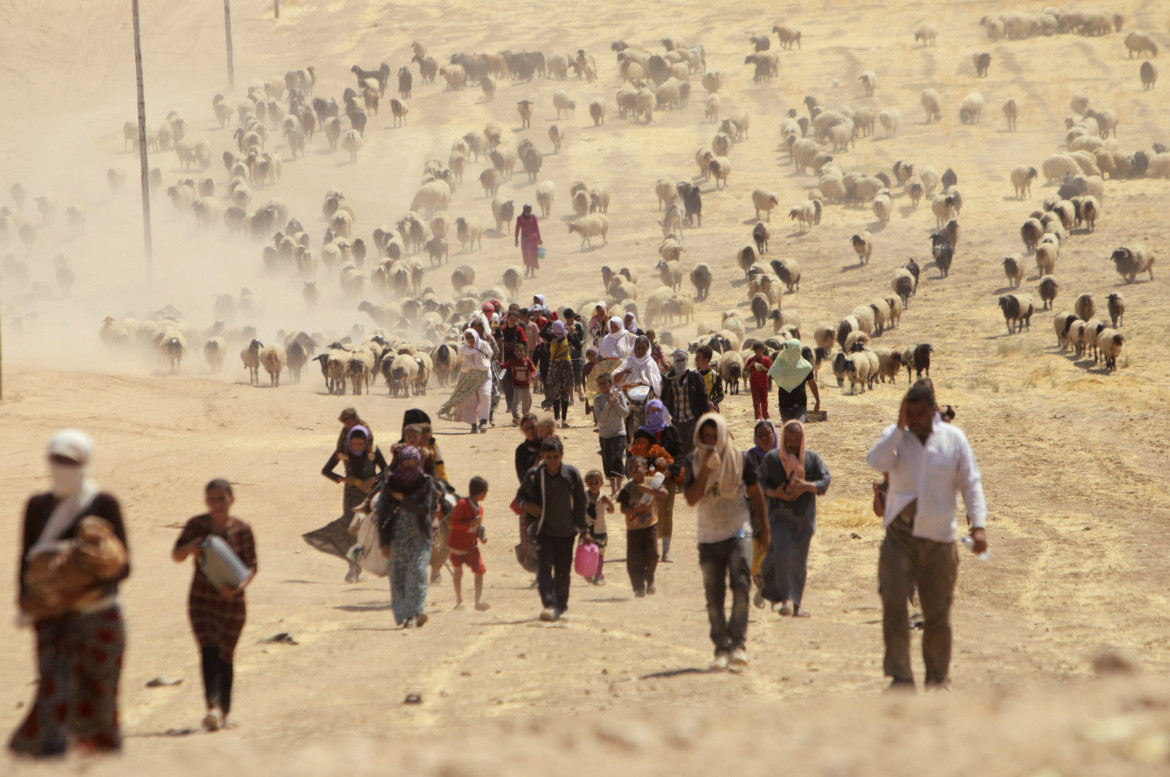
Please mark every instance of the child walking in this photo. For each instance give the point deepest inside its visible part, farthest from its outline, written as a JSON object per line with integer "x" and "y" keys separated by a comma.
{"x": 757, "y": 369}
{"x": 637, "y": 502}
{"x": 598, "y": 505}
{"x": 466, "y": 534}
{"x": 521, "y": 369}
{"x": 610, "y": 409}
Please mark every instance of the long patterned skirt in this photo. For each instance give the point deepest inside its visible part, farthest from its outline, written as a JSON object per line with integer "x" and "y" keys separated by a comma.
{"x": 559, "y": 385}
{"x": 79, "y": 659}
{"x": 410, "y": 556}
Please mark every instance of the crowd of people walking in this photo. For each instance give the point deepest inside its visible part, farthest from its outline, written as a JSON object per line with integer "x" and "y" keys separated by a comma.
{"x": 660, "y": 433}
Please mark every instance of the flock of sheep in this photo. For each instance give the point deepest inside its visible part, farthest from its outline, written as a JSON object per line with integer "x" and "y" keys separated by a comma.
{"x": 382, "y": 271}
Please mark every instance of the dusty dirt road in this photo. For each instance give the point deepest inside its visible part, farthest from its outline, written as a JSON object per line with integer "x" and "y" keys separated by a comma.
{"x": 1072, "y": 458}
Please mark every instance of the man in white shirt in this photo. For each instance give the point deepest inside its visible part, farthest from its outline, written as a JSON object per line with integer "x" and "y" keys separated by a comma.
{"x": 928, "y": 462}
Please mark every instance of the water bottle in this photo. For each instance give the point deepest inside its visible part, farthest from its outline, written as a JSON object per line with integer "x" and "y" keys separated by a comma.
{"x": 969, "y": 544}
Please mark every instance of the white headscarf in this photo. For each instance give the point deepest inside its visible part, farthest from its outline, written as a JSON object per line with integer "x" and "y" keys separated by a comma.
{"x": 616, "y": 345}
{"x": 71, "y": 485}
{"x": 477, "y": 356}
{"x": 728, "y": 473}
{"x": 644, "y": 370}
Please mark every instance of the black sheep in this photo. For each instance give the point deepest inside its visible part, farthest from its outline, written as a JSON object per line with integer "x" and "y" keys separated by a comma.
{"x": 943, "y": 252}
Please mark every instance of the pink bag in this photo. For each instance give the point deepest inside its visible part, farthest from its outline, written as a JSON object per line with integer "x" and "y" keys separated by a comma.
{"x": 585, "y": 562}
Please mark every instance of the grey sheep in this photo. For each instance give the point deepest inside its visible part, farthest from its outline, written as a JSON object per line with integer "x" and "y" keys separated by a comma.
{"x": 1013, "y": 268}
{"x": 1116, "y": 309}
{"x": 1131, "y": 261}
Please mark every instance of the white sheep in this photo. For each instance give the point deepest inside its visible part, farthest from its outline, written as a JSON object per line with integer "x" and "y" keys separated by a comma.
{"x": 890, "y": 118}
{"x": 868, "y": 79}
{"x": 863, "y": 246}
{"x": 883, "y": 206}
{"x": 932, "y": 104}
{"x": 806, "y": 214}
{"x": 273, "y": 358}
{"x": 971, "y": 109}
{"x": 589, "y": 227}
{"x": 862, "y": 369}
{"x": 764, "y": 201}
{"x": 1022, "y": 177}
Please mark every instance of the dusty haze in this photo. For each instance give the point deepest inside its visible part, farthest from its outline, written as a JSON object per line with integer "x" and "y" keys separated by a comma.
{"x": 1073, "y": 458}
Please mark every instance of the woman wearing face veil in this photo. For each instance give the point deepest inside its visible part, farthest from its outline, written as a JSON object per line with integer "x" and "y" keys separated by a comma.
{"x": 73, "y": 555}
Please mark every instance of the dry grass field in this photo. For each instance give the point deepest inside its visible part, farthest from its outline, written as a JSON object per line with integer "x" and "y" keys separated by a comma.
{"x": 1073, "y": 457}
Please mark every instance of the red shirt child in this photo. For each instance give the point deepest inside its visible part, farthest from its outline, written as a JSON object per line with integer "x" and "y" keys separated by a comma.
{"x": 758, "y": 377}
{"x": 522, "y": 370}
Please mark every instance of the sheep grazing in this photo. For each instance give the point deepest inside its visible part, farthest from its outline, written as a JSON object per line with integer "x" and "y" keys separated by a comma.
{"x": 806, "y": 214}
{"x": 1116, "y": 309}
{"x": 862, "y": 246}
{"x": 1048, "y": 290}
{"x": 971, "y": 109}
{"x": 1017, "y": 311}
{"x": 1149, "y": 75}
{"x": 1132, "y": 261}
{"x": 927, "y": 33}
{"x": 589, "y": 227}
{"x": 1011, "y": 112}
{"x": 597, "y": 112}
{"x": 943, "y": 253}
{"x": 765, "y": 200}
{"x": 760, "y": 234}
{"x": 1022, "y": 177}
{"x": 1138, "y": 42}
{"x": 932, "y": 104}
{"x": 982, "y": 63}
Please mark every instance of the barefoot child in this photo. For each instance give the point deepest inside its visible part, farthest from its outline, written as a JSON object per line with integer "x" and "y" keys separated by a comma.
{"x": 637, "y": 502}
{"x": 599, "y": 505}
{"x": 466, "y": 534}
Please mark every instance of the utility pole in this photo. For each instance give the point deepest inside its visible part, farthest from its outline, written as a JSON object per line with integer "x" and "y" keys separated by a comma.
{"x": 227, "y": 25}
{"x": 142, "y": 147}
{"x": 276, "y": 8}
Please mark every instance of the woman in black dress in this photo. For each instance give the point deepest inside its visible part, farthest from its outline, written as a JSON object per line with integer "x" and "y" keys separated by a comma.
{"x": 361, "y": 474}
